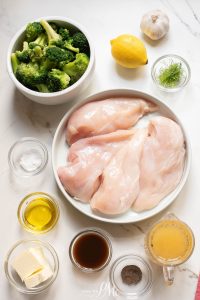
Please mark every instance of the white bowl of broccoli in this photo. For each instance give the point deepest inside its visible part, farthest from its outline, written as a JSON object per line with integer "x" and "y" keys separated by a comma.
{"x": 51, "y": 60}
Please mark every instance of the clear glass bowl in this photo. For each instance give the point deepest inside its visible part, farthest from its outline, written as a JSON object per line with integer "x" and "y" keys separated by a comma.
{"x": 26, "y": 202}
{"x": 133, "y": 291}
{"x": 12, "y": 275}
{"x": 164, "y": 62}
{"x": 27, "y": 157}
{"x": 87, "y": 231}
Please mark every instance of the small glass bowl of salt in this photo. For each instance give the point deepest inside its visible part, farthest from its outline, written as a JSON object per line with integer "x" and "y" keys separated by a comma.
{"x": 27, "y": 157}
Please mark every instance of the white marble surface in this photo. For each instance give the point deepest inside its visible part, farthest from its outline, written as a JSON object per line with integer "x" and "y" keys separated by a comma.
{"x": 21, "y": 117}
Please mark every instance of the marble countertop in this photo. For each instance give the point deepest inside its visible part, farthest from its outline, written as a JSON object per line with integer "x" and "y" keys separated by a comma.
{"x": 20, "y": 117}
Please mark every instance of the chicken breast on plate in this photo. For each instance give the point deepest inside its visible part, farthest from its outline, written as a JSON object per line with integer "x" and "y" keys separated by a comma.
{"x": 120, "y": 178}
{"x": 105, "y": 116}
{"x": 86, "y": 161}
{"x": 162, "y": 162}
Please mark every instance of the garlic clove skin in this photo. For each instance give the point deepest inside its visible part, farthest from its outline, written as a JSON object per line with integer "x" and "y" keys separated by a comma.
{"x": 155, "y": 24}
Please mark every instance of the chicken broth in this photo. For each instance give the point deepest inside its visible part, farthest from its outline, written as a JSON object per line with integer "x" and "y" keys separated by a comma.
{"x": 170, "y": 242}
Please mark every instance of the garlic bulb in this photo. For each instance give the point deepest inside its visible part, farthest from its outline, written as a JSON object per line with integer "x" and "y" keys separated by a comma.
{"x": 155, "y": 24}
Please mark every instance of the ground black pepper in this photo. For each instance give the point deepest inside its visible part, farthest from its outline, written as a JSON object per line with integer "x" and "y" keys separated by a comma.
{"x": 131, "y": 274}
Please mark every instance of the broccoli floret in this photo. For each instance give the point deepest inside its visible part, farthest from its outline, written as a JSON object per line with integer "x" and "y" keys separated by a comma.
{"x": 70, "y": 56}
{"x": 56, "y": 54}
{"x": 80, "y": 41}
{"x": 36, "y": 48}
{"x": 46, "y": 65}
{"x": 30, "y": 74}
{"x": 64, "y": 33}
{"x": 50, "y": 59}
{"x": 24, "y": 55}
{"x": 42, "y": 88}
{"x": 60, "y": 43}
{"x": 14, "y": 62}
{"x": 76, "y": 68}
{"x": 57, "y": 80}
{"x": 36, "y": 54}
{"x": 38, "y": 51}
{"x": 55, "y": 58}
{"x": 53, "y": 36}
{"x": 33, "y": 30}
{"x": 68, "y": 45}
{"x": 40, "y": 41}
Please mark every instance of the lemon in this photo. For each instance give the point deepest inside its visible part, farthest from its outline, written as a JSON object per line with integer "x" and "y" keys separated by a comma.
{"x": 129, "y": 51}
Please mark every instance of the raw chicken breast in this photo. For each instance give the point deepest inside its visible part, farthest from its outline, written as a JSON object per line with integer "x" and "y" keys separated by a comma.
{"x": 162, "y": 162}
{"x": 105, "y": 116}
{"x": 86, "y": 161}
{"x": 120, "y": 179}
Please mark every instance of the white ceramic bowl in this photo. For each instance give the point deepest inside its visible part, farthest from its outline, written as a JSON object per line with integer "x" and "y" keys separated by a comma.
{"x": 60, "y": 149}
{"x": 56, "y": 97}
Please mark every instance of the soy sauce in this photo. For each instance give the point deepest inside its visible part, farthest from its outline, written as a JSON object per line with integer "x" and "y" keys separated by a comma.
{"x": 91, "y": 250}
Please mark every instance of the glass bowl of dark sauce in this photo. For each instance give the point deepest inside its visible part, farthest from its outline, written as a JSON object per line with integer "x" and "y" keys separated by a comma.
{"x": 90, "y": 250}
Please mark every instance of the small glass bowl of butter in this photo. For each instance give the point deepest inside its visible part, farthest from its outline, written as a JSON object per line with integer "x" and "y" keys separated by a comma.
{"x": 31, "y": 266}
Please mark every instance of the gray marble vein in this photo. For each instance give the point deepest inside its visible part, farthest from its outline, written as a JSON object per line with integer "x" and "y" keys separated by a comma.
{"x": 132, "y": 227}
{"x": 197, "y": 18}
{"x": 191, "y": 274}
{"x": 177, "y": 13}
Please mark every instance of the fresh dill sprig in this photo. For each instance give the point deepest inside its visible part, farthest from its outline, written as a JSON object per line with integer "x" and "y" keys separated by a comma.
{"x": 170, "y": 76}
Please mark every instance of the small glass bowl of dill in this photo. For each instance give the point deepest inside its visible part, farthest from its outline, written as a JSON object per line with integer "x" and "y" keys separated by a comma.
{"x": 170, "y": 72}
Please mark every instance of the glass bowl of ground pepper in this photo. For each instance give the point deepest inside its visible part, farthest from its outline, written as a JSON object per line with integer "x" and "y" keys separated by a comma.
{"x": 131, "y": 276}
{"x": 38, "y": 212}
{"x": 170, "y": 73}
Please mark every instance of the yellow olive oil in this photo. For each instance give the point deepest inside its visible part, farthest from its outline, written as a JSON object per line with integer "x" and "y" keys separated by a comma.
{"x": 40, "y": 214}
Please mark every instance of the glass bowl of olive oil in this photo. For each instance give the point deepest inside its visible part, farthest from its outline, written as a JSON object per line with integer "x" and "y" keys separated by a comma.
{"x": 170, "y": 73}
{"x": 38, "y": 212}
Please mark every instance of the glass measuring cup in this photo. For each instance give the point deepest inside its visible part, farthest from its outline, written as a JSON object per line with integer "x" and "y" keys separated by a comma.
{"x": 169, "y": 243}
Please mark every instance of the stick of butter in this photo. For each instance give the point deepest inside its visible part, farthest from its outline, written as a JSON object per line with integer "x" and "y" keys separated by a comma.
{"x": 26, "y": 264}
{"x": 32, "y": 267}
{"x": 38, "y": 277}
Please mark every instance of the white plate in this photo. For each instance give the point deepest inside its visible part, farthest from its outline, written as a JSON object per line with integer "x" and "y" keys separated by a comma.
{"x": 60, "y": 148}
